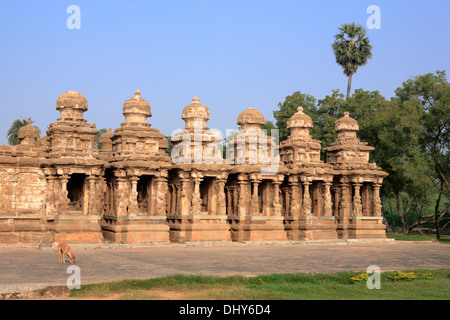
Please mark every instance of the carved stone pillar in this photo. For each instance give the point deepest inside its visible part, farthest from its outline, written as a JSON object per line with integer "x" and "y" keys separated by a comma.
{"x": 64, "y": 193}
{"x": 255, "y": 199}
{"x": 185, "y": 203}
{"x": 336, "y": 201}
{"x": 276, "y": 199}
{"x": 122, "y": 197}
{"x": 92, "y": 199}
{"x": 244, "y": 196}
{"x": 327, "y": 209}
{"x": 162, "y": 190}
{"x": 357, "y": 206}
{"x": 306, "y": 199}
{"x": 221, "y": 198}
{"x": 344, "y": 203}
{"x": 133, "y": 204}
{"x": 377, "y": 206}
{"x": 51, "y": 199}
{"x": 294, "y": 210}
{"x": 196, "y": 199}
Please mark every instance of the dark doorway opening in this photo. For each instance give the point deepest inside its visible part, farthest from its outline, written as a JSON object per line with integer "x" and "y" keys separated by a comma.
{"x": 75, "y": 191}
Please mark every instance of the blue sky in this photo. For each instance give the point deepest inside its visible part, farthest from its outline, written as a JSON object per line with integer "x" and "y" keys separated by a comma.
{"x": 232, "y": 54}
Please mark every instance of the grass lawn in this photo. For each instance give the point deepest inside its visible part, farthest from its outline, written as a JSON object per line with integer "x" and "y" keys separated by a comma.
{"x": 445, "y": 239}
{"x": 428, "y": 284}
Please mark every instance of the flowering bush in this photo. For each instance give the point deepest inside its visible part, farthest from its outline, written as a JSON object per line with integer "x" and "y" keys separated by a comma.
{"x": 409, "y": 276}
{"x": 360, "y": 277}
{"x": 403, "y": 276}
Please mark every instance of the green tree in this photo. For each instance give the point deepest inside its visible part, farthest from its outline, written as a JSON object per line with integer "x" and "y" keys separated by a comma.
{"x": 98, "y": 145}
{"x": 269, "y": 126}
{"x": 432, "y": 93}
{"x": 169, "y": 149}
{"x": 13, "y": 131}
{"x": 352, "y": 50}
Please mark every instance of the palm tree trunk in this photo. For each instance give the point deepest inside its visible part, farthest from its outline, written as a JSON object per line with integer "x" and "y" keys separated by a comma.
{"x": 349, "y": 86}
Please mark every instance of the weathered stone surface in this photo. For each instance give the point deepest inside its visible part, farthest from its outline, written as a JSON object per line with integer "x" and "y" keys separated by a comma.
{"x": 60, "y": 187}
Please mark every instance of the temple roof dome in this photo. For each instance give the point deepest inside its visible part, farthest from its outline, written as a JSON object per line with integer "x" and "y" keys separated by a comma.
{"x": 300, "y": 120}
{"x": 346, "y": 123}
{"x": 72, "y": 100}
{"x": 195, "y": 110}
{"x": 28, "y": 131}
{"x": 137, "y": 105}
{"x": 251, "y": 116}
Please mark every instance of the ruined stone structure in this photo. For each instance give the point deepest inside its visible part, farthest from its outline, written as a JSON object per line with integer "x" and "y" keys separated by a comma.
{"x": 130, "y": 191}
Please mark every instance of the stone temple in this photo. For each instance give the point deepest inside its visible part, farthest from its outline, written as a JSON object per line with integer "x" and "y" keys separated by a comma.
{"x": 60, "y": 187}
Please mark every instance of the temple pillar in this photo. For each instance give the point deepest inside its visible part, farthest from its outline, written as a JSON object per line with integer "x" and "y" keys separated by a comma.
{"x": 185, "y": 201}
{"x": 92, "y": 182}
{"x": 293, "y": 211}
{"x": 359, "y": 226}
{"x": 64, "y": 193}
{"x": 253, "y": 226}
{"x": 357, "y": 207}
{"x": 243, "y": 196}
{"x": 306, "y": 199}
{"x": 276, "y": 199}
{"x": 321, "y": 225}
{"x": 327, "y": 209}
{"x": 255, "y": 199}
{"x": 52, "y": 199}
{"x": 162, "y": 190}
{"x": 221, "y": 198}
{"x": 336, "y": 200}
{"x": 377, "y": 206}
{"x": 122, "y": 197}
{"x": 196, "y": 199}
{"x": 133, "y": 202}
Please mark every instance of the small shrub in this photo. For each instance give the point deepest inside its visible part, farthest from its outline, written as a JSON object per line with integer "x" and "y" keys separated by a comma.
{"x": 427, "y": 275}
{"x": 403, "y": 276}
{"x": 359, "y": 278}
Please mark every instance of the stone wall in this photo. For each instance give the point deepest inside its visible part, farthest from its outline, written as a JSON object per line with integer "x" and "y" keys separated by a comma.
{"x": 59, "y": 187}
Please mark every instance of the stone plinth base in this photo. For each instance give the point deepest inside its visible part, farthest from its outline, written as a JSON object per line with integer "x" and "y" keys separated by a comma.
{"x": 257, "y": 228}
{"x": 135, "y": 229}
{"x": 310, "y": 228}
{"x": 199, "y": 228}
{"x": 77, "y": 229}
{"x": 291, "y": 228}
{"x": 21, "y": 230}
{"x": 317, "y": 228}
{"x": 361, "y": 228}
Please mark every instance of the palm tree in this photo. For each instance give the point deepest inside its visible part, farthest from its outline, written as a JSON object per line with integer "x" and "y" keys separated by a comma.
{"x": 352, "y": 50}
{"x": 13, "y": 131}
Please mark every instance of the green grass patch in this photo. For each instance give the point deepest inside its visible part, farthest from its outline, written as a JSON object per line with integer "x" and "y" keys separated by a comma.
{"x": 445, "y": 239}
{"x": 399, "y": 285}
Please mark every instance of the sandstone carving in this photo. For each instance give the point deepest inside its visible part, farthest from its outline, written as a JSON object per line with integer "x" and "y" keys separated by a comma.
{"x": 60, "y": 186}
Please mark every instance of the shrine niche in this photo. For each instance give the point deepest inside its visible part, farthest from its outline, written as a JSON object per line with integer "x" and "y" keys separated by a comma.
{"x": 137, "y": 181}
{"x": 357, "y": 184}
{"x": 307, "y": 189}
{"x": 254, "y": 192}
{"x": 130, "y": 191}
{"x": 197, "y": 181}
